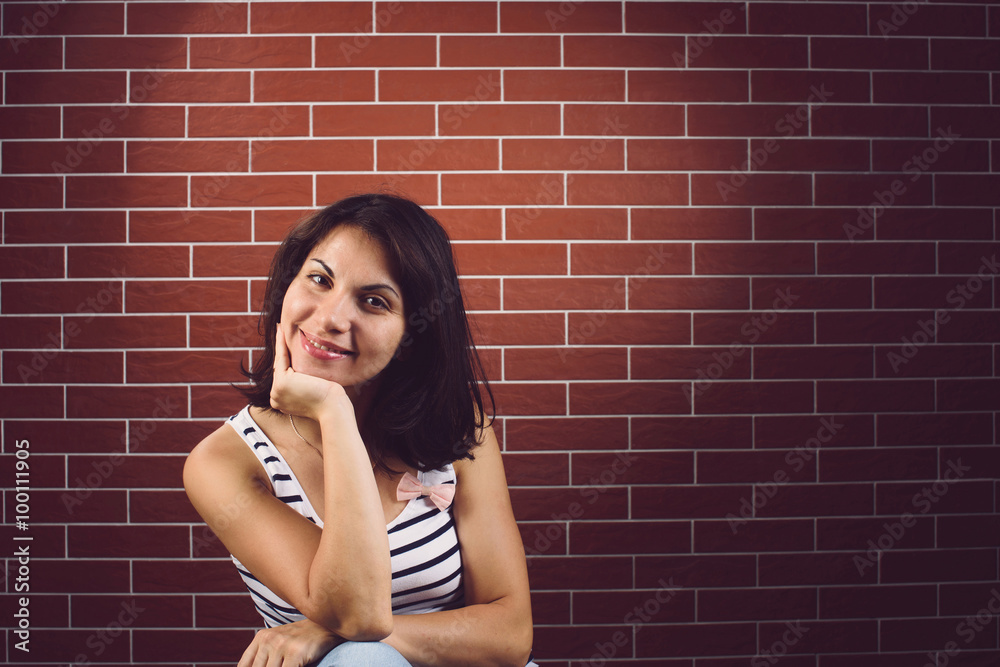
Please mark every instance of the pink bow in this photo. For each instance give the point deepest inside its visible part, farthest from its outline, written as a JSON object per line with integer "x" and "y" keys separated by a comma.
{"x": 440, "y": 494}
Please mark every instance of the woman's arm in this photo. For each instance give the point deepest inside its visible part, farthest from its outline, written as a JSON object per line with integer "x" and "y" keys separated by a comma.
{"x": 340, "y": 576}
{"x": 494, "y": 628}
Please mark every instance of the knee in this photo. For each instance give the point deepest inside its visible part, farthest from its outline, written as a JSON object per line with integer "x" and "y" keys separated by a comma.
{"x": 363, "y": 653}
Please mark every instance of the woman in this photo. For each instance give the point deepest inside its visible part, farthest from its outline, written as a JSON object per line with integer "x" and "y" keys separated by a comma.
{"x": 361, "y": 493}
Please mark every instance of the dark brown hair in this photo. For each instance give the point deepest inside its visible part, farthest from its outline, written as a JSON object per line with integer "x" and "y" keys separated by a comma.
{"x": 428, "y": 406}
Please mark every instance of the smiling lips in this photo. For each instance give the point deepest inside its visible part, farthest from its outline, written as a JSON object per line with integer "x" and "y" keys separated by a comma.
{"x": 322, "y": 349}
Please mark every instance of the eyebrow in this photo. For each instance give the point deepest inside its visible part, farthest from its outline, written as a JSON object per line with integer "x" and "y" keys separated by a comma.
{"x": 376, "y": 286}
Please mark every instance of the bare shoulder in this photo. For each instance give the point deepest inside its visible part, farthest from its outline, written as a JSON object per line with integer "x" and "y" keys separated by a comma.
{"x": 486, "y": 453}
{"x": 222, "y": 460}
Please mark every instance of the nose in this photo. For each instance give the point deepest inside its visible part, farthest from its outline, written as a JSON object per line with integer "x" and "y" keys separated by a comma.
{"x": 337, "y": 310}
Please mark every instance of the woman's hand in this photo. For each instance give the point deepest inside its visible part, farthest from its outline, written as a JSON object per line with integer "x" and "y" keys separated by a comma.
{"x": 292, "y": 645}
{"x": 298, "y": 393}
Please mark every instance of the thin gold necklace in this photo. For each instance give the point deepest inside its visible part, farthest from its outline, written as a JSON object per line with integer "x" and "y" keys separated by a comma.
{"x": 292, "y": 422}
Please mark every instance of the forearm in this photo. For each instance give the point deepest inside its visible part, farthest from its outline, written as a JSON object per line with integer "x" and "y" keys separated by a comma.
{"x": 350, "y": 580}
{"x": 478, "y": 635}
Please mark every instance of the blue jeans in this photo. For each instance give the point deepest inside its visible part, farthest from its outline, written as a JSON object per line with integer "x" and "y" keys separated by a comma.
{"x": 363, "y": 654}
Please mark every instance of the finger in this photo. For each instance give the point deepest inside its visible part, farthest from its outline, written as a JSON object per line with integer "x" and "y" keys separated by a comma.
{"x": 282, "y": 361}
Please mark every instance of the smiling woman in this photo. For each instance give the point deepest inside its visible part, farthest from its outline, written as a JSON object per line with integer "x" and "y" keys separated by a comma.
{"x": 373, "y": 520}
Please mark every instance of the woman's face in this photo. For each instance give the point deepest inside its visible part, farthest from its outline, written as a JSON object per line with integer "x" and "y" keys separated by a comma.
{"x": 343, "y": 314}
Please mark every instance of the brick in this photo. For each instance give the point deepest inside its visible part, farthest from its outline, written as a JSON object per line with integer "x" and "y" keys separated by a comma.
{"x": 318, "y": 17}
{"x": 918, "y": 157}
{"x": 564, "y": 85}
{"x": 752, "y": 258}
{"x": 868, "y": 327}
{"x": 962, "y": 498}
{"x": 551, "y": 154}
{"x": 616, "y": 398}
{"x": 686, "y": 363}
{"x": 566, "y": 223}
{"x": 742, "y": 189}
{"x": 967, "y": 531}
{"x": 158, "y": 611}
{"x": 529, "y": 399}
{"x": 377, "y": 51}
{"x": 970, "y": 326}
{"x": 877, "y": 601}
{"x": 572, "y": 363}
{"x": 311, "y": 155}
{"x": 690, "y": 17}
{"x": 256, "y": 190}
{"x": 26, "y": 332}
{"x": 685, "y": 154}
{"x": 655, "y": 120}
{"x": 938, "y": 566}
{"x": 536, "y": 469}
{"x": 556, "y": 433}
{"x": 934, "y": 429}
{"x": 250, "y": 52}
{"x": 629, "y": 328}
{"x": 851, "y": 534}
{"x": 756, "y": 604}
{"x": 592, "y": 607}
{"x": 805, "y": 154}
{"x": 966, "y": 21}
{"x": 192, "y": 17}
{"x": 934, "y": 633}
{"x": 314, "y": 86}
{"x": 132, "y": 261}
{"x": 32, "y": 262}
{"x": 122, "y": 401}
{"x": 435, "y": 17}
{"x": 698, "y": 639}
{"x": 871, "y": 121}
{"x": 499, "y": 51}
{"x": 931, "y": 292}
{"x": 226, "y": 611}
{"x": 868, "y": 53}
{"x": 79, "y": 18}
{"x": 198, "y": 87}
{"x": 965, "y": 189}
{"x": 60, "y": 157}
{"x": 691, "y": 223}
{"x": 621, "y": 50}
{"x": 480, "y": 293}
{"x": 164, "y": 507}
{"x": 686, "y": 502}
{"x": 217, "y": 402}
{"x": 778, "y": 18}
{"x": 186, "y": 296}
{"x": 820, "y": 293}
{"x": 512, "y": 188}
{"x": 117, "y": 332}
{"x": 696, "y": 571}
{"x": 690, "y": 294}
{"x": 76, "y": 296}
{"x": 740, "y": 120}
{"x": 691, "y": 432}
{"x": 80, "y": 504}
{"x": 646, "y": 537}
{"x": 437, "y": 155}
{"x": 630, "y": 188}
{"x": 29, "y": 122}
{"x": 542, "y": 17}
{"x": 226, "y": 330}
{"x": 125, "y": 191}
{"x": 559, "y": 504}
{"x": 963, "y": 54}
{"x": 769, "y": 467}
{"x": 807, "y": 569}
{"x": 127, "y": 541}
{"x": 737, "y": 51}
{"x": 126, "y": 53}
{"x": 473, "y": 118}
{"x": 177, "y": 645}
{"x": 199, "y": 366}
{"x": 62, "y": 367}
{"x": 688, "y": 85}
{"x": 974, "y": 121}
{"x": 64, "y": 87}
{"x": 872, "y": 190}
{"x": 810, "y": 87}
{"x": 898, "y": 463}
{"x": 258, "y": 121}
{"x": 930, "y": 88}
{"x": 760, "y": 535}
{"x": 373, "y": 120}
{"x": 30, "y": 192}
{"x": 630, "y": 258}
{"x": 968, "y": 258}
{"x": 874, "y": 395}
{"x": 186, "y": 156}
{"x": 510, "y": 258}
{"x": 563, "y": 294}
{"x": 122, "y": 121}
{"x": 880, "y": 257}
{"x": 806, "y": 223}
{"x": 760, "y": 328}
{"x": 421, "y": 188}
{"x": 753, "y": 397}
{"x": 969, "y": 394}
{"x": 470, "y": 224}
{"x": 32, "y": 54}
{"x": 813, "y": 362}
{"x": 440, "y": 85}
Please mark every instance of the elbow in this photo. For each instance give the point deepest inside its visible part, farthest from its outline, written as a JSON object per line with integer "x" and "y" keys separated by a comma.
{"x": 367, "y": 624}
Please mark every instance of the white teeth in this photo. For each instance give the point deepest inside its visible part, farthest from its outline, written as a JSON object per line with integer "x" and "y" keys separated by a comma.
{"x": 324, "y": 347}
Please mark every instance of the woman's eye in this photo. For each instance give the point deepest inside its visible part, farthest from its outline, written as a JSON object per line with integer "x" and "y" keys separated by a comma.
{"x": 376, "y": 302}
{"x": 317, "y": 278}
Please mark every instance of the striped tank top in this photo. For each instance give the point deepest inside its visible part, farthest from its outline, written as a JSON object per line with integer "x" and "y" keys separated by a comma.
{"x": 423, "y": 544}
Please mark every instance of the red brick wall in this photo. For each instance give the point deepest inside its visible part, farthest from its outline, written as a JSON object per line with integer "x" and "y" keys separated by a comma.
{"x": 704, "y": 243}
